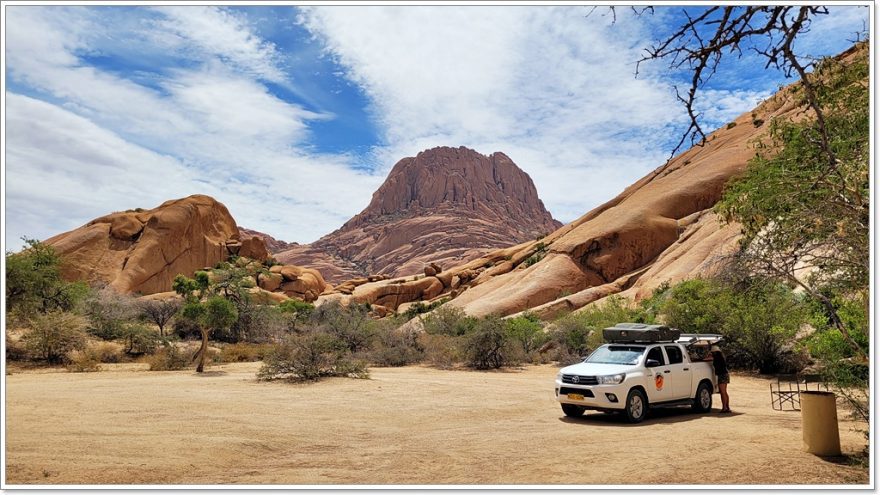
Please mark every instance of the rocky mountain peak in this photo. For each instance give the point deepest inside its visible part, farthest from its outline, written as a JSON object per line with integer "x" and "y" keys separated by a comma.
{"x": 445, "y": 205}
{"x": 461, "y": 179}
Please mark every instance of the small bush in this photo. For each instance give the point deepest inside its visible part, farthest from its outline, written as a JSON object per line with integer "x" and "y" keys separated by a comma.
{"x": 488, "y": 346}
{"x": 419, "y": 307}
{"x": 168, "y": 358}
{"x": 53, "y": 335}
{"x": 109, "y": 311}
{"x": 731, "y": 125}
{"x": 139, "y": 339}
{"x": 447, "y": 320}
{"x": 83, "y": 361}
{"x": 527, "y": 333}
{"x": 441, "y": 351}
{"x": 106, "y": 352}
{"x": 396, "y": 348}
{"x": 15, "y": 350}
{"x": 243, "y": 352}
{"x": 310, "y": 357}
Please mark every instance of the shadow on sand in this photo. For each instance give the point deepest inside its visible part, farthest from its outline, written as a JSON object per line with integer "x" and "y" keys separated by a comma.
{"x": 211, "y": 373}
{"x": 655, "y": 416}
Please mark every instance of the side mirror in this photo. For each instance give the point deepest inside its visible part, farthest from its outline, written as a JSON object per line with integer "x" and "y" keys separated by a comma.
{"x": 652, "y": 363}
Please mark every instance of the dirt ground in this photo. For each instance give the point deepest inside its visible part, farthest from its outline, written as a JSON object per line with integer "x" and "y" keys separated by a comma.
{"x": 409, "y": 425}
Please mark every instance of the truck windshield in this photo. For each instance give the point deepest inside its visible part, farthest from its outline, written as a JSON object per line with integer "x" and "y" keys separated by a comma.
{"x": 616, "y": 354}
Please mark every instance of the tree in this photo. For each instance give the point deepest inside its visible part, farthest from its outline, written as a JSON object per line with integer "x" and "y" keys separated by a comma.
{"x": 214, "y": 314}
{"x": 701, "y": 42}
{"x": 160, "y": 311}
{"x": 806, "y": 222}
{"x": 34, "y": 283}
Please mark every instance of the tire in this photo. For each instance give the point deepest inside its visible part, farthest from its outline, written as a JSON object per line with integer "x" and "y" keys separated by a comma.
{"x": 636, "y": 406}
{"x": 703, "y": 398}
{"x": 573, "y": 411}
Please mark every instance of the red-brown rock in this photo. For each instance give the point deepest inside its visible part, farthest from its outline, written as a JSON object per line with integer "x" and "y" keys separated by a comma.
{"x": 143, "y": 250}
{"x": 443, "y": 207}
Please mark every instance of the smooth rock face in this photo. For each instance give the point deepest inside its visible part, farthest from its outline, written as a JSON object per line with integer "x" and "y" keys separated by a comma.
{"x": 142, "y": 251}
{"x": 445, "y": 205}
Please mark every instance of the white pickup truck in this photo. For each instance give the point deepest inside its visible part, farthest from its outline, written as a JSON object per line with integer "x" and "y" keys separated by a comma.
{"x": 630, "y": 377}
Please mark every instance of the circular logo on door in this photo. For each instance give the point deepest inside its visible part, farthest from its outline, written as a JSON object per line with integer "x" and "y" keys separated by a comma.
{"x": 658, "y": 382}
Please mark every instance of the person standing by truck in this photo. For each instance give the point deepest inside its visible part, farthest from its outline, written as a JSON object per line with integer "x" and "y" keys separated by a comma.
{"x": 723, "y": 375}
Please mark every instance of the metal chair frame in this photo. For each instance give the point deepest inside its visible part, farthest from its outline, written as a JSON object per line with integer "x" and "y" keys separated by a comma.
{"x": 788, "y": 390}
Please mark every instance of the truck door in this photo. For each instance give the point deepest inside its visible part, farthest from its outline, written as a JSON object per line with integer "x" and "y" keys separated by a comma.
{"x": 680, "y": 372}
{"x": 659, "y": 386}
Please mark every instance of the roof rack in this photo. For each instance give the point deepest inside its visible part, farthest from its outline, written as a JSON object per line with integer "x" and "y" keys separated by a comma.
{"x": 700, "y": 339}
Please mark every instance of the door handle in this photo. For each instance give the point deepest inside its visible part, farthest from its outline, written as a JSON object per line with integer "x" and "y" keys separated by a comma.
{"x": 666, "y": 371}
{"x": 685, "y": 369}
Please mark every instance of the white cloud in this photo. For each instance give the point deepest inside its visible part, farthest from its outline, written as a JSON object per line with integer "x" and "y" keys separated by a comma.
{"x": 216, "y": 32}
{"x": 117, "y": 144}
{"x": 552, "y": 88}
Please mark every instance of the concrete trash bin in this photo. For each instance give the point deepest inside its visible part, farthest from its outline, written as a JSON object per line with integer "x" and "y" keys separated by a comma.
{"x": 819, "y": 418}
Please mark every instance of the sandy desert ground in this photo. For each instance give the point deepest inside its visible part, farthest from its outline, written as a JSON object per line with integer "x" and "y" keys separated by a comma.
{"x": 410, "y": 425}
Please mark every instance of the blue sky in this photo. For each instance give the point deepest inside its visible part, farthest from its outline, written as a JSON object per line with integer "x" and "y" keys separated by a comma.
{"x": 293, "y": 116}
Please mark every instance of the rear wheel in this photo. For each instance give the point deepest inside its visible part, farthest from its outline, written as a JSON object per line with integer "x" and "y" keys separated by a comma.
{"x": 573, "y": 411}
{"x": 703, "y": 399}
{"x": 636, "y": 406}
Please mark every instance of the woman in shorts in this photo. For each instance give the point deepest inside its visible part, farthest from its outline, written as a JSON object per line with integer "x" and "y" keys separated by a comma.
{"x": 723, "y": 375}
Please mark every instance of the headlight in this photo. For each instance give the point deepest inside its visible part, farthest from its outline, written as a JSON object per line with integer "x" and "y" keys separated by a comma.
{"x": 611, "y": 379}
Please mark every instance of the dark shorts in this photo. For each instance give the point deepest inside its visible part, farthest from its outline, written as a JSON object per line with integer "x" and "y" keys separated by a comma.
{"x": 725, "y": 378}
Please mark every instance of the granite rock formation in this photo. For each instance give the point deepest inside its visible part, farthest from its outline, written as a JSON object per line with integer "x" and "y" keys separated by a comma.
{"x": 445, "y": 205}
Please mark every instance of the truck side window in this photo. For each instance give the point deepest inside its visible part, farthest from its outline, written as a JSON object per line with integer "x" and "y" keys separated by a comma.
{"x": 674, "y": 353}
{"x": 657, "y": 354}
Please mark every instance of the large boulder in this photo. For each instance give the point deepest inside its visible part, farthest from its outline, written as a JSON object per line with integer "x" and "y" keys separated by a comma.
{"x": 143, "y": 250}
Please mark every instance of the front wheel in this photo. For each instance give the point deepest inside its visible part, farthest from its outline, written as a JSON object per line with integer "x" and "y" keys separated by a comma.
{"x": 573, "y": 411}
{"x": 703, "y": 399}
{"x": 636, "y": 406}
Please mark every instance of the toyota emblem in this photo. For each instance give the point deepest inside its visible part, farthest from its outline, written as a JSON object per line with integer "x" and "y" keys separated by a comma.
{"x": 575, "y": 379}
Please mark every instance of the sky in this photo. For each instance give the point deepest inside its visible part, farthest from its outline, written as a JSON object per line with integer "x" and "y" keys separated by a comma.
{"x": 292, "y": 116}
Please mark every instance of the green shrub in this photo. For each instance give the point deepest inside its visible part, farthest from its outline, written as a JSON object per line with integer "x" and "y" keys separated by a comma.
{"x": 168, "y": 358}
{"x": 34, "y": 283}
{"x": 419, "y": 307}
{"x": 527, "y": 333}
{"x": 139, "y": 339}
{"x": 53, "y": 335}
{"x": 448, "y": 320}
{"x": 487, "y": 346}
{"x": 395, "y": 347}
{"x": 310, "y": 357}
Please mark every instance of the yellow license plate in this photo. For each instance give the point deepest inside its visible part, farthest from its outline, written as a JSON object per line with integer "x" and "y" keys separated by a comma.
{"x": 575, "y": 397}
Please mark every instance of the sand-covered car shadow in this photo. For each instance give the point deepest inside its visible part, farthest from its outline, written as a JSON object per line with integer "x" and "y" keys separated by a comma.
{"x": 663, "y": 415}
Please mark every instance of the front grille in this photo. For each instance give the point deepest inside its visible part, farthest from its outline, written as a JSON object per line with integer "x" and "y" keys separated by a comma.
{"x": 583, "y": 391}
{"x": 581, "y": 380}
